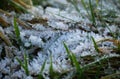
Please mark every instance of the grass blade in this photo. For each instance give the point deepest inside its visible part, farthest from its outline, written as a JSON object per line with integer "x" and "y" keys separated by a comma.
{"x": 20, "y": 62}
{"x": 97, "y": 2}
{"x": 16, "y": 28}
{"x": 17, "y": 32}
{"x": 95, "y": 45}
{"x": 51, "y": 68}
{"x": 68, "y": 52}
{"x": 113, "y": 35}
{"x": 84, "y": 5}
{"x": 74, "y": 3}
{"x": 24, "y": 64}
{"x": 42, "y": 68}
{"x": 74, "y": 62}
{"x": 92, "y": 13}
{"x": 77, "y": 66}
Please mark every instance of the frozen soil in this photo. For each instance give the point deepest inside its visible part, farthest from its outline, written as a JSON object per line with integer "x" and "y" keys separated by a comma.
{"x": 48, "y": 29}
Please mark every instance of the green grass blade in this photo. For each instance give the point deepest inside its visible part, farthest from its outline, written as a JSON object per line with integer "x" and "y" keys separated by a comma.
{"x": 95, "y": 45}
{"x": 17, "y": 32}
{"x": 118, "y": 48}
{"x": 51, "y": 71}
{"x": 20, "y": 62}
{"x": 42, "y": 68}
{"x": 97, "y": 2}
{"x": 40, "y": 76}
{"x": 77, "y": 66}
{"x": 68, "y": 52}
{"x": 26, "y": 64}
{"x": 84, "y": 5}
{"x": 113, "y": 35}
{"x": 74, "y": 61}
{"x": 92, "y": 13}
{"x": 74, "y": 3}
{"x": 16, "y": 28}
{"x": 66, "y": 17}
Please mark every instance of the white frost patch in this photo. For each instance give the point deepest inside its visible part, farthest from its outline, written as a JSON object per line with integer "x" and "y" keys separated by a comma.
{"x": 27, "y": 44}
{"x": 3, "y": 66}
{"x": 78, "y": 41}
{"x": 39, "y": 27}
{"x": 26, "y": 16}
{"x": 36, "y": 11}
{"x": 29, "y": 77}
{"x": 36, "y": 40}
{"x": 58, "y": 25}
{"x": 18, "y": 74}
{"x": 34, "y": 67}
{"x": 52, "y": 11}
{"x": 56, "y": 14}
{"x": 61, "y": 1}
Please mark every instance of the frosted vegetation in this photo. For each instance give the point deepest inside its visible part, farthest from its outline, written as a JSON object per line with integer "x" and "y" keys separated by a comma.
{"x": 61, "y": 39}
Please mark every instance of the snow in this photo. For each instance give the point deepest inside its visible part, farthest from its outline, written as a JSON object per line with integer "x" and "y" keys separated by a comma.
{"x": 35, "y": 40}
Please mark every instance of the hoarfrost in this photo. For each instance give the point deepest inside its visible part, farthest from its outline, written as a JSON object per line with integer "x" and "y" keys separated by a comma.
{"x": 63, "y": 26}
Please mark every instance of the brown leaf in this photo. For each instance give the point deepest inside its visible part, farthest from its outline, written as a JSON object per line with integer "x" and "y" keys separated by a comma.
{"x": 115, "y": 41}
{"x": 104, "y": 50}
{"x": 39, "y": 20}
{"x": 23, "y": 24}
{"x": 24, "y": 3}
{"x": 111, "y": 76}
{"x": 4, "y": 37}
{"x": 3, "y": 22}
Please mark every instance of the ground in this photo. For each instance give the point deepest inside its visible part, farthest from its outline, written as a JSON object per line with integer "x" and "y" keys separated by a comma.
{"x": 76, "y": 39}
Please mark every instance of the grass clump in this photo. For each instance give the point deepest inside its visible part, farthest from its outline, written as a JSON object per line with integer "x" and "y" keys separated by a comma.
{"x": 91, "y": 8}
{"x": 75, "y": 4}
{"x": 79, "y": 69}
{"x": 40, "y": 76}
{"x": 95, "y": 45}
{"x": 24, "y": 64}
{"x": 52, "y": 73}
{"x": 75, "y": 63}
{"x": 84, "y": 5}
{"x": 68, "y": 52}
{"x": 92, "y": 13}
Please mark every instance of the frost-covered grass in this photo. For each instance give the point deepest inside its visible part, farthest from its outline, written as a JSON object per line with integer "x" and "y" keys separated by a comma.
{"x": 79, "y": 41}
{"x": 24, "y": 64}
{"x": 95, "y": 45}
{"x": 74, "y": 62}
